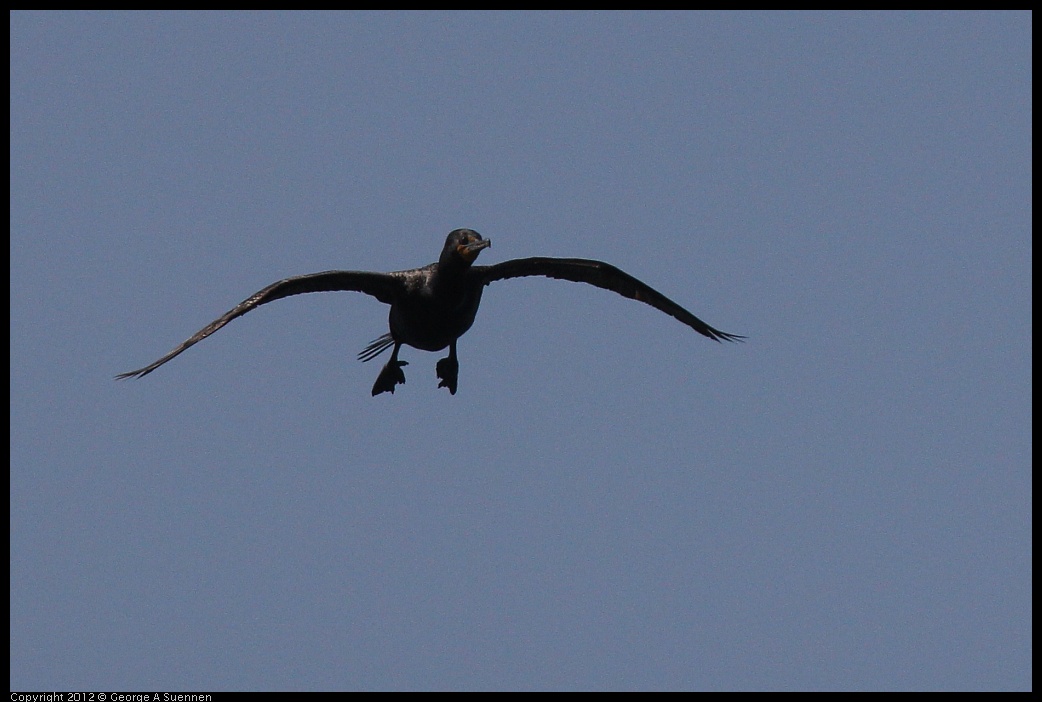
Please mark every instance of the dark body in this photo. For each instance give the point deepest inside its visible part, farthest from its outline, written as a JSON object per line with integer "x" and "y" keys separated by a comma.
{"x": 435, "y": 309}
{"x": 431, "y": 307}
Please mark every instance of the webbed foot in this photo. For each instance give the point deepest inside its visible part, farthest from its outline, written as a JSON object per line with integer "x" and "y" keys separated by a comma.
{"x": 448, "y": 372}
{"x": 391, "y": 375}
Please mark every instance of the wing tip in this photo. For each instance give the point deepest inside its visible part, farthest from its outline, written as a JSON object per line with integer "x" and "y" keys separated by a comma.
{"x": 139, "y": 373}
{"x": 718, "y": 336}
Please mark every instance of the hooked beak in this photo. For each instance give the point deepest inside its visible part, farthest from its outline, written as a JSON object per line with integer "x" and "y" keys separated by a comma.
{"x": 468, "y": 252}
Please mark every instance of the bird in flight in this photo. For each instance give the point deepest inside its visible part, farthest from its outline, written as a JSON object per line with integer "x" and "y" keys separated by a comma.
{"x": 433, "y": 306}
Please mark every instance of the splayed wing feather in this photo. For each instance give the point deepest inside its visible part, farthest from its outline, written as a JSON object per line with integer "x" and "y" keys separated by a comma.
{"x": 382, "y": 286}
{"x": 602, "y": 275}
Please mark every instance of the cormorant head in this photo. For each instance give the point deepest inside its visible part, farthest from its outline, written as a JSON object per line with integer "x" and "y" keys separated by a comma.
{"x": 463, "y": 245}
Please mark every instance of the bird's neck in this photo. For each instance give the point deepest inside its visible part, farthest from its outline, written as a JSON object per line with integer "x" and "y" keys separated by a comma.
{"x": 450, "y": 276}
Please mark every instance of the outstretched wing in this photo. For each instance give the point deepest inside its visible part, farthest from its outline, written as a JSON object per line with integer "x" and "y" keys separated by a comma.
{"x": 382, "y": 286}
{"x": 602, "y": 275}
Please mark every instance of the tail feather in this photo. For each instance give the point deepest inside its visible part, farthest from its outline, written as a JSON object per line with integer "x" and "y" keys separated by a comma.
{"x": 376, "y": 347}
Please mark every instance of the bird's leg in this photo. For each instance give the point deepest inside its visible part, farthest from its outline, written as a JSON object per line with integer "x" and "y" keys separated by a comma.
{"x": 391, "y": 375}
{"x": 448, "y": 370}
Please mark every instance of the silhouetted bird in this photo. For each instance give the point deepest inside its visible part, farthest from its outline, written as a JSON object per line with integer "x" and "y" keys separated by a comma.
{"x": 433, "y": 306}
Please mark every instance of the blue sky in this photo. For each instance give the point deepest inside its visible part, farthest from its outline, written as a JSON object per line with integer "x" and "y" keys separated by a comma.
{"x": 611, "y": 501}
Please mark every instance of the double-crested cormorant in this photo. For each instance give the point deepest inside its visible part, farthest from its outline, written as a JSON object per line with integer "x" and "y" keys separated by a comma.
{"x": 433, "y": 306}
